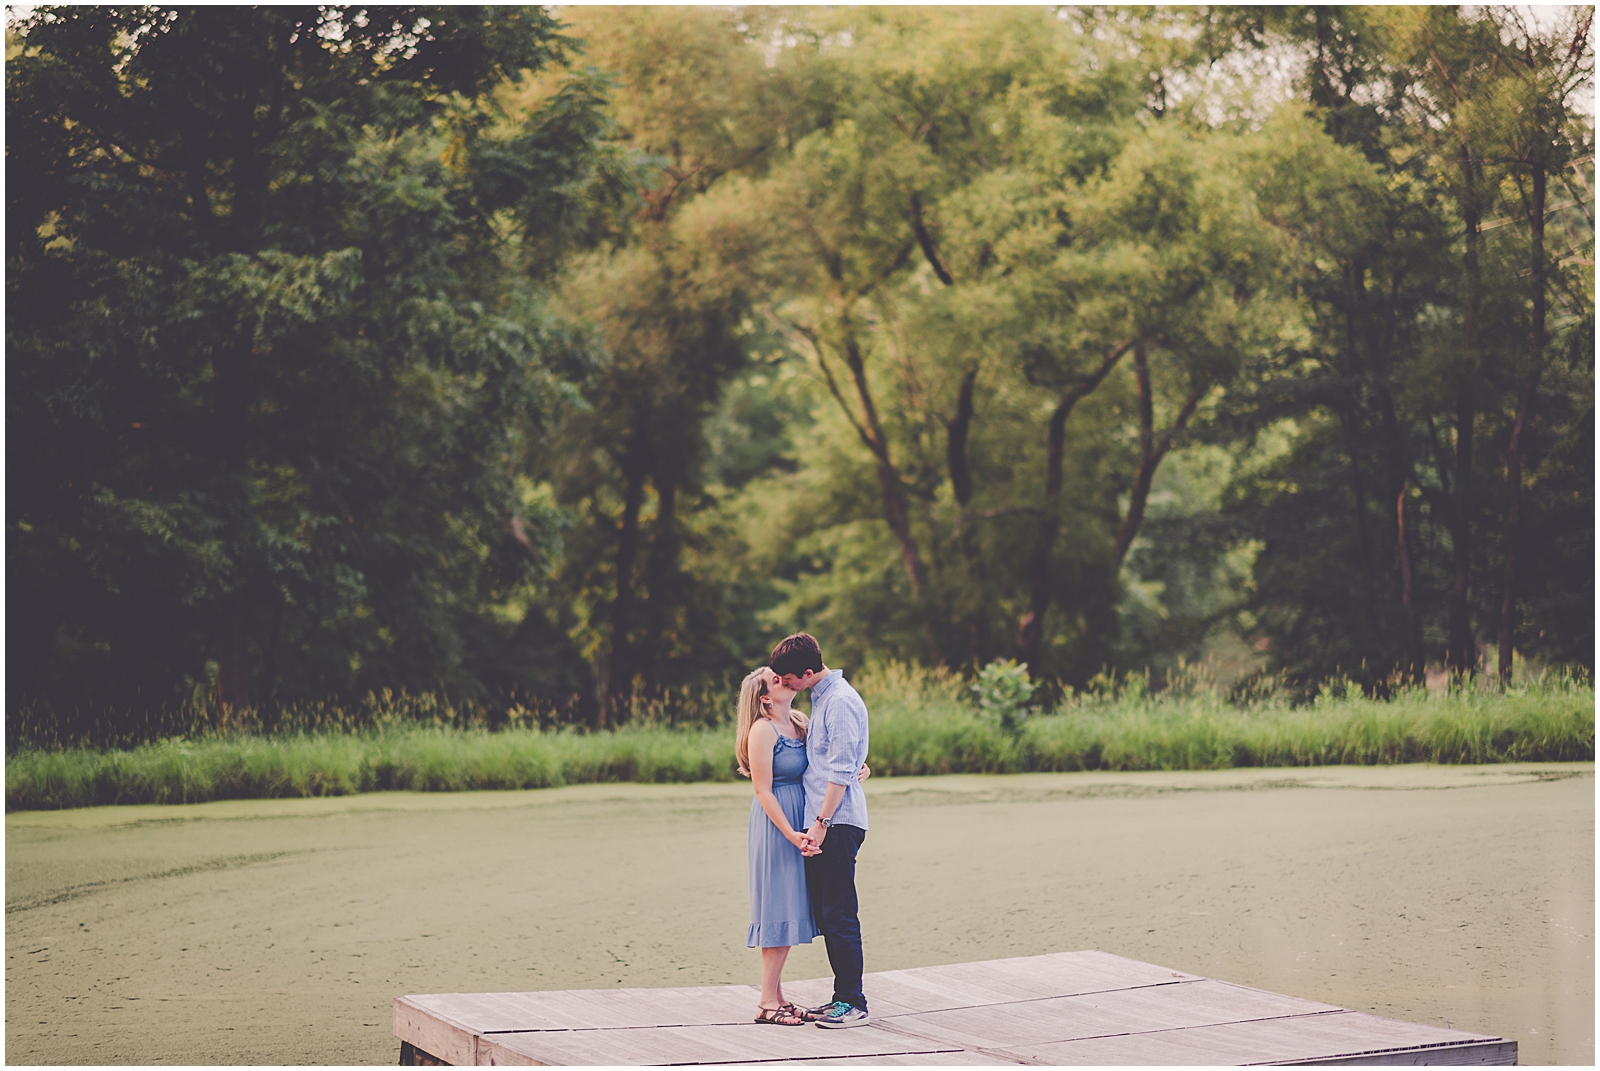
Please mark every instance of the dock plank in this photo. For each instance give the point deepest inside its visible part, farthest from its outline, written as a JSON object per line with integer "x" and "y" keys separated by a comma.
{"x": 1293, "y": 1039}
{"x": 959, "y": 985}
{"x": 1085, "y": 1007}
{"x": 1201, "y": 1002}
{"x": 631, "y": 1008}
{"x": 576, "y": 1009}
{"x": 745, "y": 1043}
{"x": 480, "y": 1015}
{"x": 1102, "y": 970}
{"x": 1050, "y": 976}
{"x": 934, "y": 1059}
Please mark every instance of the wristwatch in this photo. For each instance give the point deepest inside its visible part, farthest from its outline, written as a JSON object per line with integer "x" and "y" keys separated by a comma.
{"x": 827, "y": 823}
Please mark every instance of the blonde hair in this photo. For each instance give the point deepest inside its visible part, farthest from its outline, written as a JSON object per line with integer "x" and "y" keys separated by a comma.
{"x": 751, "y": 692}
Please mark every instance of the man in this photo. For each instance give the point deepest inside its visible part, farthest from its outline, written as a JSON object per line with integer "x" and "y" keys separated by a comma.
{"x": 836, "y": 748}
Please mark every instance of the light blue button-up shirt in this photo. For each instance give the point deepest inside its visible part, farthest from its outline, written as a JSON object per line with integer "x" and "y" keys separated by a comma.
{"x": 836, "y": 746}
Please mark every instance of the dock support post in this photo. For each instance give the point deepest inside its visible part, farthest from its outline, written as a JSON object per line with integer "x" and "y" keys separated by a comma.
{"x": 411, "y": 1056}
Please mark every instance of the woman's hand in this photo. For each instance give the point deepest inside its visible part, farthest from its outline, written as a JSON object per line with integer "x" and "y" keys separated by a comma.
{"x": 863, "y": 773}
{"x": 807, "y": 846}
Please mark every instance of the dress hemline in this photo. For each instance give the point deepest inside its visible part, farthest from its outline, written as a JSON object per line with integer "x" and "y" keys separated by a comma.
{"x": 782, "y": 935}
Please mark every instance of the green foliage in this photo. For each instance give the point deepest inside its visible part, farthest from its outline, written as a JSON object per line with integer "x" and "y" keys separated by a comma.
{"x": 461, "y": 352}
{"x": 1002, "y": 689}
{"x": 955, "y": 233}
{"x": 1397, "y": 399}
{"x": 274, "y": 369}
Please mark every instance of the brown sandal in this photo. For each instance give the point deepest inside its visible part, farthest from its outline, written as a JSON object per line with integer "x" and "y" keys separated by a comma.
{"x": 782, "y": 1015}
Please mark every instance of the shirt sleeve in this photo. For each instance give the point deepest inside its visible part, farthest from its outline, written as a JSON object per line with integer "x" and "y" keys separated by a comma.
{"x": 847, "y": 717}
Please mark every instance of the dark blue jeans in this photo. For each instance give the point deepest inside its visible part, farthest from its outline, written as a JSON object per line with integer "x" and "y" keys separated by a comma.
{"x": 831, "y": 882}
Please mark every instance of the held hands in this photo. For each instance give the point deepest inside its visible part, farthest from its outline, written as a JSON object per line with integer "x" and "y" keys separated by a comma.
{"x": 806, "y": 845}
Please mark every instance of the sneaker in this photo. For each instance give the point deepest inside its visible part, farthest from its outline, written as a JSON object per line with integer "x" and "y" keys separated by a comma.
{"x": 822, "y": 1011}
{"x": 843, "y": 1015}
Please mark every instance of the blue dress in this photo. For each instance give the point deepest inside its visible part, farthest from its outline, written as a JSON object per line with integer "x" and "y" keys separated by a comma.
{"x": 780, "y": 910}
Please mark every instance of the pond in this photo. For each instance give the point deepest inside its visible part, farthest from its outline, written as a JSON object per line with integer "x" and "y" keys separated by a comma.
{"x": 279, "y": 931}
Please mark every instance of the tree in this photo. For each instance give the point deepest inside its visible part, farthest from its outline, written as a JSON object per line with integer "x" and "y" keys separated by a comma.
{"x": 450, "y": 349}
{"x": 267, "y": 365}
{"x": 970, "y": 218}
{"x": 850, "y": 233}
{"x": 1416, "y": 321}
{"x": 698, "y": 108}
{"x": 1545, "y": 72}
{"x": 1162, "y": 256}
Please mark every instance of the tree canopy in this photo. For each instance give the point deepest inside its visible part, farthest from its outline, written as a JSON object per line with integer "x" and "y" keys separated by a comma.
{"x": 576, "y": 356}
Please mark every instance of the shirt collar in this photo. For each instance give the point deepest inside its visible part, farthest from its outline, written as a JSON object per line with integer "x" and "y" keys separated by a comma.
{"x": 826, "y": 684}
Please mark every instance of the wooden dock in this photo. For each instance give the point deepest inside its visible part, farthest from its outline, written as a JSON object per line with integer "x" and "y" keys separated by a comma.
{"x": 1065, "y": 1008}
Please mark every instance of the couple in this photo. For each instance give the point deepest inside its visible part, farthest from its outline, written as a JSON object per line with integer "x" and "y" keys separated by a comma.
{"x": 807, "y": 822}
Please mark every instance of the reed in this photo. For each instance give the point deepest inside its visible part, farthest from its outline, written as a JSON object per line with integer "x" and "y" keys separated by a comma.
{"x": 923, "y": 722}
{"x": 1120, "y": 725}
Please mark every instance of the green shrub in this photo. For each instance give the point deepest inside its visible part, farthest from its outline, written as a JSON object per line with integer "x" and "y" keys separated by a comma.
{"x": 1004, "y": 691}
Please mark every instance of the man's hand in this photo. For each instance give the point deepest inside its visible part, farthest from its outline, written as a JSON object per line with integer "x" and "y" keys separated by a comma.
{"x": 816, "y": 834}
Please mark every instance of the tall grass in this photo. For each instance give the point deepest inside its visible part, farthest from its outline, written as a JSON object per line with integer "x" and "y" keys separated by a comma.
{"x": 922, "y": 723}
{"x": 411, "y": 758}
{"x": 919, "y": 727}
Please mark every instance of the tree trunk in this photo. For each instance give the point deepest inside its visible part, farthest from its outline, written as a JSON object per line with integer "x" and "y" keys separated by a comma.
{"x": 230, "y": 377}
{"x": 620, "y": 671}
{"x": 1030, "y": 629}
{"x": 894, "y": 511}
{"x": 663, "y": 593}
{"x": 956, "y": 441}
{"x": 1380, "y": 336}
{"x": 870, "y": 430}
{"x": 956, "y": 431}
{"x": 1416, "y": 670}
{"x": 1462, "y": 656}
{"x": 1397, "y": 467}
{"x": 1536, "y": 342}
{"x": 1358, "y": 497}
{"x": 925, "y": 240}
{"x": 1403, "y": 549}
{"x": 233, "y": 671}
{"x": 1145, "y": 403}
{"x": 1441, "y": 459}
{"x": 1348, "y": 420}
{"x": 894, "y": 497}
{"x": 1152, "y": 448}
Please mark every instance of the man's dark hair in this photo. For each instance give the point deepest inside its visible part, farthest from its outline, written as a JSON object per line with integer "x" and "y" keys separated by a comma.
{"x": 796, "y": 654}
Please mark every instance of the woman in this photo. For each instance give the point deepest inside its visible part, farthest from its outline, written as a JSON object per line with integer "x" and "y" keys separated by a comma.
{"x": 770, "y": 747}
